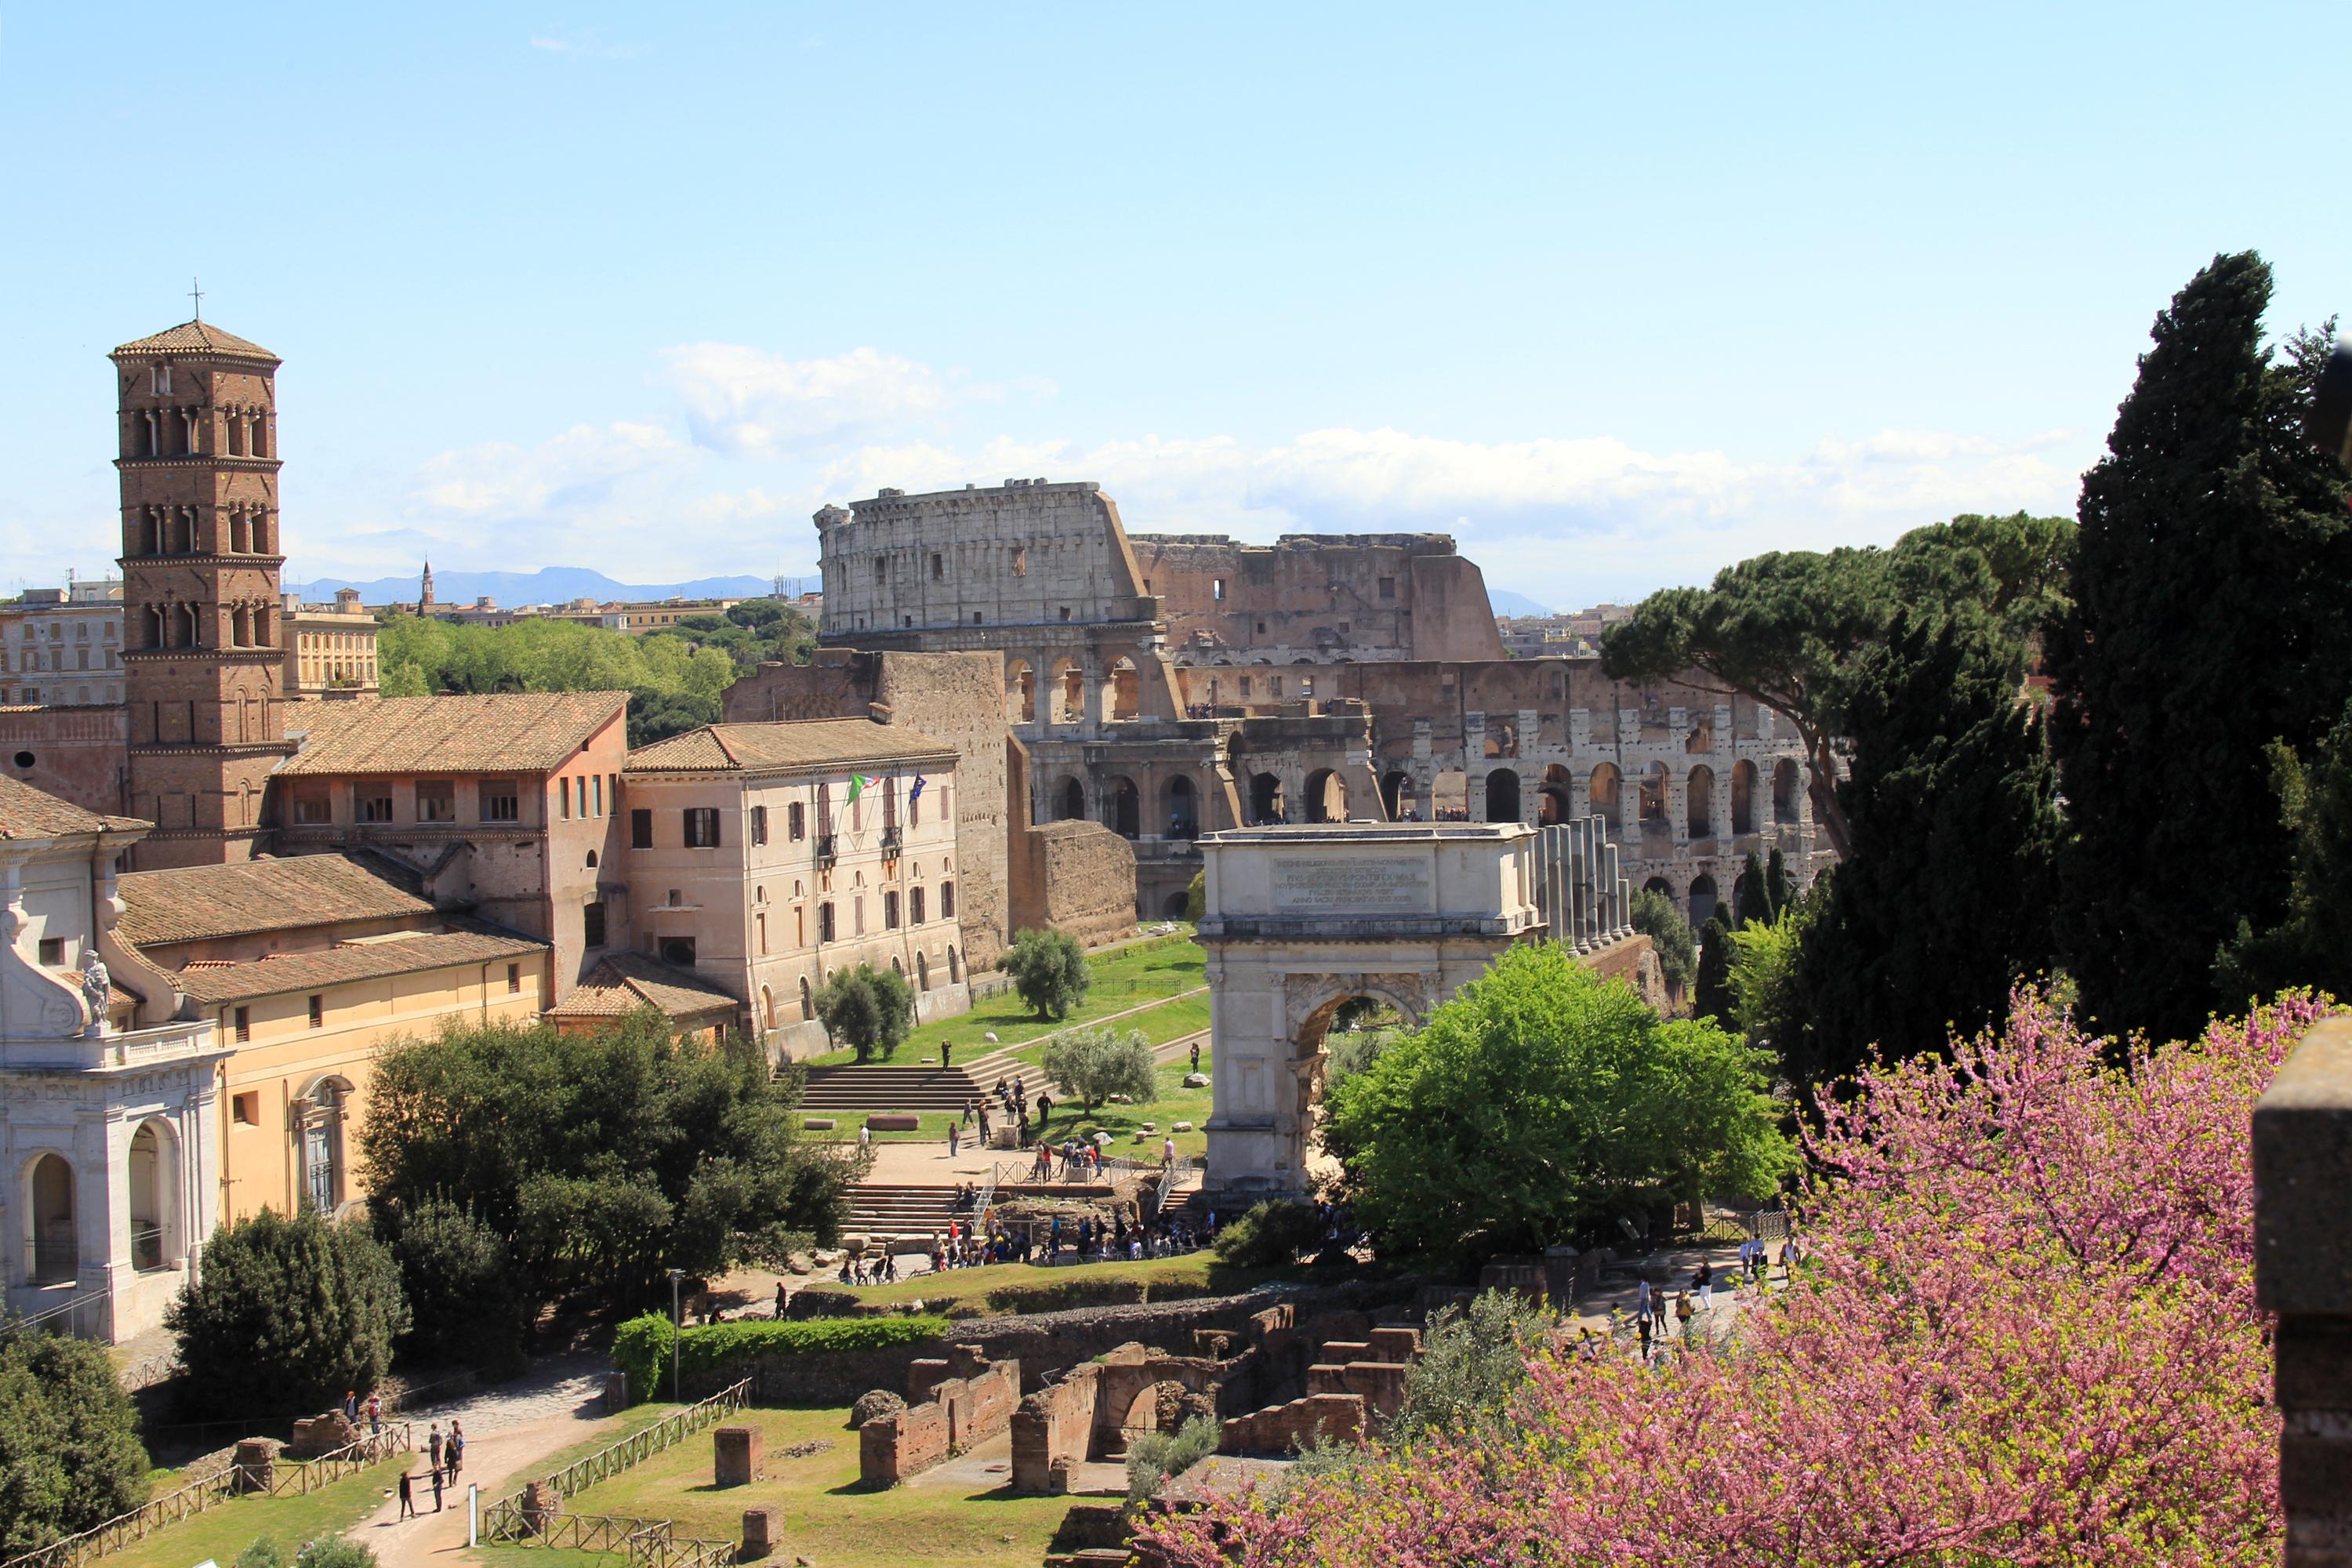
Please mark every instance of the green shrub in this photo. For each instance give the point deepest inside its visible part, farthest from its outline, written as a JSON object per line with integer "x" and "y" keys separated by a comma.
{"x": 642, "y": 1346}
{"x": 1091, "y": 1065}
{"x": 69, "y": 1453}
{"x": 1271, "y": 1235}
{"x": 460, "y": 1287}
{"x": 334, "y": 1552}
{"x": 1061, "y": 1295}
{"x": 1153, "y": 1457}
{"x": 1049, "y": 969}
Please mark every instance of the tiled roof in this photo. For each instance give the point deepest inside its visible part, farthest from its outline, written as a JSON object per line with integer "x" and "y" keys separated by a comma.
{"x": 509, "y": 732}
{"x": 191, "y": 902}
{"x": 29, "y": 813}
{"x": 625, "y": 982}
{"x": 197, "y": 337}
{"x": 808, "y": 742}
{"x": 320, "y": 967}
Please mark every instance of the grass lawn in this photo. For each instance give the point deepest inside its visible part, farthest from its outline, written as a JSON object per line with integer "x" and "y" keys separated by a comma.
{"x": 226, "y": 1529}
{"x": 1124, "y": 977}
{"x": 827, "y": 1515}
{"x": 637, "y": 1418}
{"x": 1169, "y": 1021}
{"x": 934, "y": 1129}
{"x": 1174, "y": 1103}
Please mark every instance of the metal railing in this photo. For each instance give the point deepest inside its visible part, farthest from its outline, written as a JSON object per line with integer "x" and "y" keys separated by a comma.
{"x": 52, "y": 1262}
{"x": 76, "y": 1317}
{"x": 147, "y": 1247}
{"x": 987, "y": 1193}
{"x": 125, "y": 1528}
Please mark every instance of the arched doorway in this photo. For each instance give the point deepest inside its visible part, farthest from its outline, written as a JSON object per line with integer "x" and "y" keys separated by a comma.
{"x": 1653, "y": 796}
{"x": 52, "y": 1224}
{"x": 1698, "y": 800}
{"x": 1020, "y": 692}
{"x": 1743, "y": 796}
{"x": 153, "y": 1183}
{"x": 1660, "y": 885}
{"x": 1121, "y": 695}
{"x": 1396, "y": 796}
{"x": 1602, "y": 791}
{"x": 808, "y": 1001}
{"x": 1066, "y": 693}
{"x": 1502, "y": 796}
{"x": 1073, "y": 806}
{"x": 1784, "y": 790}
{"x": 767, "y": 1009}
{"x": 955, "y": 967}
{"x": 1267, "y": 804}
{"x": 1702, "y": 900}
{"x": 1327, "y": 797}
{"x": 1557, "y": 801}
{"x": 1449, "y": 796}
{"x": 1183, "y": 808}
{"x": 1171, "y": 908}
{"x": 1123, "y": 812}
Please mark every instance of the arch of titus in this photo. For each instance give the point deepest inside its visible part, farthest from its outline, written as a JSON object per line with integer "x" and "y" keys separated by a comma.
{"x": 1301, "y": 919}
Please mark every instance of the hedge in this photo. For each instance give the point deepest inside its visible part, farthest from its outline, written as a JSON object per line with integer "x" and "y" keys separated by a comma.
{"x": 642, "y": 1347}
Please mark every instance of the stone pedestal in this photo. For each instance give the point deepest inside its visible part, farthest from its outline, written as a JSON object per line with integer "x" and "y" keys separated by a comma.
{"x": 616, "y": 1390}
{"x": 762, "y": 1529}
{"x": 736, "y": 1453}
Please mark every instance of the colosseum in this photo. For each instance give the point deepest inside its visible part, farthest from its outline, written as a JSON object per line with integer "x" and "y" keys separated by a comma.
{"x": 1168, "y": 685}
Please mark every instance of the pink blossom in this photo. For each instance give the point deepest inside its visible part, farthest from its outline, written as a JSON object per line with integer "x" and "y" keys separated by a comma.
{"x": 2027, "y": 1336}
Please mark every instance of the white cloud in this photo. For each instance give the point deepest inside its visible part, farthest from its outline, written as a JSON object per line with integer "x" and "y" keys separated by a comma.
{"x": 747, "y": 401}
{"x": 581, "y": 467}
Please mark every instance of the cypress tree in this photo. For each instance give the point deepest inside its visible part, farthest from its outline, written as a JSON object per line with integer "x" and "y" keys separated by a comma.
{"x": 1711, "y": 993}
{"x": 2207, "y": 621}
{"x": 1777, "y": 887}
{"x": 1756, "y": 905}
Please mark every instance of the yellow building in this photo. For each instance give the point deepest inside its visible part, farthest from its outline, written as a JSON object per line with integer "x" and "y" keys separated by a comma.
{"x": 307, "y": 968}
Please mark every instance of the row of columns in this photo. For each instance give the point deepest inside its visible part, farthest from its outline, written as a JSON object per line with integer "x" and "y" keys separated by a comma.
{"x": 172, "y": 530}
{"x": 1585, "y": 901}
{"x": 243, "y": 432}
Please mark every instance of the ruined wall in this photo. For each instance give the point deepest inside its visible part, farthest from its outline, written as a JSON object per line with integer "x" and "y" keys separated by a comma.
{"x": 78, "y": 754}
{"x": 1077, "y": 876}
{"x": 953, "y": 1401}
{"x": 1285, "y": 1428}
{"x": 954, "y": 699}
{"x": 1318, "y": 597}
{"x": 1024, "y": 554}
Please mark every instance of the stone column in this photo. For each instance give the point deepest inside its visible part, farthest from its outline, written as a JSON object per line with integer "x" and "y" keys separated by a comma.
{"x": 2302, "y": 1272}
{"x": 1678, "y": 805}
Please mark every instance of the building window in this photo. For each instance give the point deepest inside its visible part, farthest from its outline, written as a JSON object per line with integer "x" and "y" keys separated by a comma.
{"x": 612, "y": 790}
{"x": 915, "y": 906}
{"x": 947, "y": 901}
{"x": 1245, "y": 686}
{"x": 245, "y": 1108}
{"x": 857, "y": 915}
{"x": 376, "y": 803}
{"x": 1217, "y": 588}
{"x": 890, "y": 910}
{"x": 1388, "y": 587}
{"x": 318, "y": 1012}
{"x": 701, "y": 826}
{"x": 1020, "y": 562}
{"x": 824, "y": 921}
{"x": 563, "y": 798}
{"x": 939, "y": 567}
{"x": 677, "y": 951}
{"x": 641, "y": 829}
{"x": 437, "y": 800}
{"x": 514, "y": 979}
{"x": 881, "y": 570}
{"x": 797, "y": 821}
{"x": 163, "y": 380}
{"x": 592, "y": 925}
{"x": 502, "y": 801}
{"x": 53, "y": 951}
{"x": 759, "y": 825}
{"x": 244, "y": 1028}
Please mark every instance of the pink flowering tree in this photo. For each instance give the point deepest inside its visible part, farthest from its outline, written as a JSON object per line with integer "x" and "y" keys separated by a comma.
{"x": 2027, "y": 1335}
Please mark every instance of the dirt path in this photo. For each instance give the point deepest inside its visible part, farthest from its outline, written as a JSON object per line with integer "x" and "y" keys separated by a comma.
{"x": 510, "y": 1431}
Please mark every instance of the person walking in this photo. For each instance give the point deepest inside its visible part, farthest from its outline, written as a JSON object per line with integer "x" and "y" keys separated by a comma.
{"x": 1642, "y": 1298}
{"x": 1196, "y": 1056}
{"x": 864, "y": 1136}
{"x": 352, "y": 1406}
{"x": 374, "y": 1414}
{"x": 967, "y": 1110}
{"x": 433, "y": 1448}
{"x": 454, "y": 1451}
{"x": 1684, "y": 1311}
{"x": 436, "y": 1489}
{"x": 407, "y": 1497}
{"x": 1044, "y": 1108}
{"x": 780, "y": 1306}
{"x": 1166, "y": 1153}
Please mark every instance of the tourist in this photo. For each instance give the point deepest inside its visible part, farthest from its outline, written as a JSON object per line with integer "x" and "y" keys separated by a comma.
{"x": 1684, "y": 1311}
{"x": 1044, "y": 1108}
{"x": 966, "y": 1113}
{"x": 374, "y": 1414}
{"x": 407, "y": 1499}
{"x": 454, "y": 1451}
{"x": 954, "y": 1133}
{"x": 864, "y": 1136}
{"x": 780, "y": 1301}
{"x": 943, "y": 1055}
{"x": 983, "y": 1124}
{"x": 352, "y": 1406}
{"x": 432, "y": 1447}
{"x": 1196, "y": 1056}
{"x": 436, "y": 1489}
{"x": 1167, "y": 1151}
{"x": 1642, "y": 1328}
{"x": 1704, "y": 1280}
{"x": 1642, "y": 1298}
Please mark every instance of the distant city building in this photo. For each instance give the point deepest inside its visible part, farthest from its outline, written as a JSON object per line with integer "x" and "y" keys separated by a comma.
{"x": 62, "y": 648}
{"x": 331, "y": 652}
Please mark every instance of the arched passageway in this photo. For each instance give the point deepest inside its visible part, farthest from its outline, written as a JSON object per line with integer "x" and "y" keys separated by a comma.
{"x": 1602, "y": 791}
{"x": 1266, "y": 800}
{"x": 52, "y": 1222}
{"x": 1702, "y": 900}
{"x": 1698, "y": 798}
{"x": 1123, "y": 812}
{"x": 1502, "y": 796}
{"x": 1743, "y": 796}
{"x": 1073, "y": 805}
{"x": 1327, "y": 797}
{"x": 1183, "y": 808}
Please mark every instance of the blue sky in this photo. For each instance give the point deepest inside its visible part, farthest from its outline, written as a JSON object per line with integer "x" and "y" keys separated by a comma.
{"x": 1617, "y": 295}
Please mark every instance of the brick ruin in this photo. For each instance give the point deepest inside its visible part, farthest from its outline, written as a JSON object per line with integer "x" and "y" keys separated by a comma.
{"x": 1164, "y": 686}
{"x": 953, "y": 1403}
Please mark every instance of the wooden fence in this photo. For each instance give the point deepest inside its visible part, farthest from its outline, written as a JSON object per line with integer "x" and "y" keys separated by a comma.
{"x": 648, "y": 1543}
{"x": 292, "y": 1477}
{"x": 126, "y": 1529}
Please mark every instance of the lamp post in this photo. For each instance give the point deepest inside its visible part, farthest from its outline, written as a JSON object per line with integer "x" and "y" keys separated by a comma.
{"x": 677, "y": 1331}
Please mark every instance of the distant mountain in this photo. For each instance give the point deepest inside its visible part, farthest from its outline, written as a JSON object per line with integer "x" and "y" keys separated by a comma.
{"x": 548, "y": 585}
{"x": 1506, "y": 603}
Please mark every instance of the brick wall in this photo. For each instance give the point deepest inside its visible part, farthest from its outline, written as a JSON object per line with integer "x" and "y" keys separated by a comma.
{"x": 953, "y": 1402}
{"x": 1054, "y": 1424}
{"x": 75, "y": 753}
{"x": 1077, "y": 876}
{"x": 1279, "y": 1428}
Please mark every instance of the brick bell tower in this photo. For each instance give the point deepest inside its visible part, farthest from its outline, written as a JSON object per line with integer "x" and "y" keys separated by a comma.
{"x": 203, "y": 634}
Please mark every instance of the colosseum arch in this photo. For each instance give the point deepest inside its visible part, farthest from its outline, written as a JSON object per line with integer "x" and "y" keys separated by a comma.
{"x": 1743, "y": 796}
{"x": 1327, "y": 797}
{"x": 1698, "y": 800}
{"x": 1503, "y": 795}
{"x": 1602, "y": 791}
{"x": 1020, "y": 692}
{"x": 1557, "y": 796}
{"x": 1785, "y": 791}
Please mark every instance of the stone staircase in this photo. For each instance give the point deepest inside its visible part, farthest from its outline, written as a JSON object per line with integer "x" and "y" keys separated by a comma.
{"x": 883, "y": 1210}
{"x": 878, "y": 1087}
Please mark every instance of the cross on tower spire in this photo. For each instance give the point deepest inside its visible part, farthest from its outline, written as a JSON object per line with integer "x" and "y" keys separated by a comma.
{"x": 197, "y": 295}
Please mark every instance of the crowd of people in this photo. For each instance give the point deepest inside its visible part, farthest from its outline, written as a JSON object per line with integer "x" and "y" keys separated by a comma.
{"x": 1653, "y": 1307}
